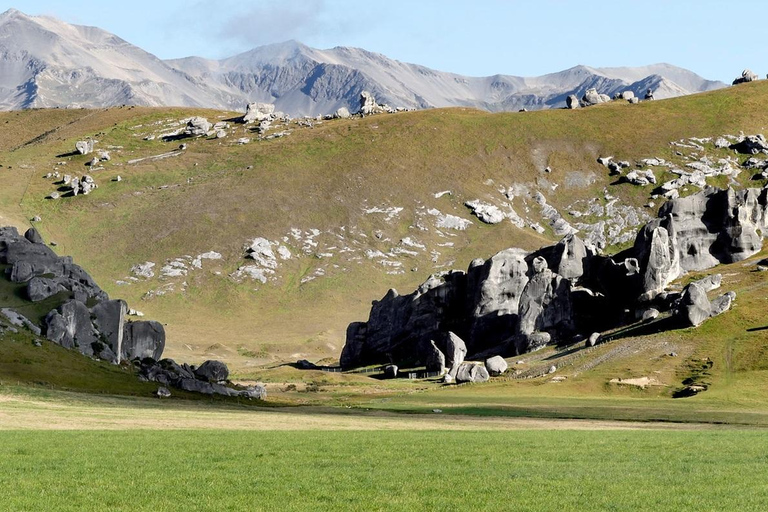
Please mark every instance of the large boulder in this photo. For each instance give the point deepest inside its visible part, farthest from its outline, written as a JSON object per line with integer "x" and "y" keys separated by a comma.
{"x": 41, "y": 288}
{"x": 658, "y": 256}
{"x": 143, "y": 339}
{"x": 33, "y": 236}
{"x": 455, "y": 352}
{"x": 694, "y": 306}
{"x": 70, "y": 326}
{"x": 197, "y": 127}
{"x": 258, "y": 112}
{"x": 471, "y": 372}
{"x": 572, "y": 102}
{"x": 435, "y": 359}
{"x": 496, "y": 365}
{"x": 751, "y": 145}
{"x": 212, "y": 371}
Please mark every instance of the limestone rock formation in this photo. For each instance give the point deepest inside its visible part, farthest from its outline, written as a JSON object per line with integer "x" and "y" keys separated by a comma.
{"x": 545, "y": 303}
{"x": 746, "y": 76}
{"x": 572, "y": 102}
{"x": 695, "y": 307}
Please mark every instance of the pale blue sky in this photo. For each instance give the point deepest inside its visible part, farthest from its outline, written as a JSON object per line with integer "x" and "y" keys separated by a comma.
{"x": 716, "y": 39}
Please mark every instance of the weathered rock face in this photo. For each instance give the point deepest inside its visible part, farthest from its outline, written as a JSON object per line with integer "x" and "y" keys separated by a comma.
{"x": 524, "y": 302}
{"x": 545, "y": 303}
{"x": 41, "y": 288}
{"x": 143, "y": 339}
{"x": 70, "y": 326}
{"x": 212, "y": 371}
{"x": 716, "y": 226}
{"x": 570, "y": 258}
{"x": 498, "y": 286}
{"x": 169, "y": 373}
{"x": 658, "y": 256}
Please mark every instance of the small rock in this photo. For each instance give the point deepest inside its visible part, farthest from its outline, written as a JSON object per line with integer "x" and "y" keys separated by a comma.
{"x": 163, "y": 392}
{"x": 552, "y": 369}
{"x": 390, "y": 371}
{"x": 593, "y": 339}
{"x": 36, "y": 218}
{"x": 496, "y": 365}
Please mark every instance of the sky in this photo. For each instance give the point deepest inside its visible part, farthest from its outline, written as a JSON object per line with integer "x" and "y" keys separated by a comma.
{"x": 477, "y": 37}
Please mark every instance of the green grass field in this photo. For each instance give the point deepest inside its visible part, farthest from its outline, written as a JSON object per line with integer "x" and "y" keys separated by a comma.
{"x": 400, "y": 470}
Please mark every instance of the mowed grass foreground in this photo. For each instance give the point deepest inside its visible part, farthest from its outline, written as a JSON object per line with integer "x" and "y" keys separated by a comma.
{"x": 398, "y": 470}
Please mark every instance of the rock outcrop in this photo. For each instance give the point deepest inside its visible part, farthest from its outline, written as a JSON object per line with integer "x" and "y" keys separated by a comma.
{"x": 516, "y": 302}
{"x": 197, "y": 127}
{"x": 258, "y": 112}
{"x": 746, "y": 76}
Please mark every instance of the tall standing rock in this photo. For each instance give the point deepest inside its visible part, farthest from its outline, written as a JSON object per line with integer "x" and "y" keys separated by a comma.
{"x": 498, "y": 285}
{"x": 109, "y": 320}
{"x": 545, "y": 304}
{"x": 455, "y": 352}
{"x": 435, "y": 359}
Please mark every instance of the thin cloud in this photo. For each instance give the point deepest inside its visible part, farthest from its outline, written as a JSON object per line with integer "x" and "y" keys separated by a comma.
{"x": 277, "y": 21}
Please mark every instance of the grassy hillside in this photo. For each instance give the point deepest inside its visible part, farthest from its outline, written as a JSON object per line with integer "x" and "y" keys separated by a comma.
{"x": 217, "y": 195}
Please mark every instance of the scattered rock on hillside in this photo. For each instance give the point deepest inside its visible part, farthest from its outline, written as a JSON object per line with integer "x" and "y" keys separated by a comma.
{"x": 572, "y": 101}
{"x": 751, "y": 145}
{"x": 746, "y": 76}
{"x": 342, "y": 113}
{"x": 257, "y": 112}
{"x": 197, "y": 127}
{"x": 84, "y": 146}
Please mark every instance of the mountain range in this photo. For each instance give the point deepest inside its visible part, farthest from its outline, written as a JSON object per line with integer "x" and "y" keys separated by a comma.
{"x": 45, "y": 62}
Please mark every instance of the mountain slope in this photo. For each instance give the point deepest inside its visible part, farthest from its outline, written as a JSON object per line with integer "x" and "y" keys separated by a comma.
{"x": 45, "y": 62}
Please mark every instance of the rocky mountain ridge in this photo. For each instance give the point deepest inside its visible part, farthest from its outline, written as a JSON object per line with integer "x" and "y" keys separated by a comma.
{"x": 49, "y": 63}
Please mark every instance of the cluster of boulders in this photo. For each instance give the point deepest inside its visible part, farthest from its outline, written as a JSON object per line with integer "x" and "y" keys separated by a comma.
{"x": 517, "y": 302}
{"x": 593, "y": 97}
{"x": 746, "y": 76}
{"x": 85, "y": 318}
{"x": 83, "y": 185}
{"x": 210, "y": 378}
{"x": 82, "y": 317}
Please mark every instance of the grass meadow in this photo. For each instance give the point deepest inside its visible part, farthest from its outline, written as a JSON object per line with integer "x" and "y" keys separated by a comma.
{"x": 377, "y": 470}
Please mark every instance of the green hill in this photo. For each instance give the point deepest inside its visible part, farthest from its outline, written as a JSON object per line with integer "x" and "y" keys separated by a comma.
{"x": 342, "y": 178}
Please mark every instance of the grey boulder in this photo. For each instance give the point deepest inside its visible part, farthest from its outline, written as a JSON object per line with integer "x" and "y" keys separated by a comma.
{"x": 496, "y": 365}
{"x": 212, "y": 371}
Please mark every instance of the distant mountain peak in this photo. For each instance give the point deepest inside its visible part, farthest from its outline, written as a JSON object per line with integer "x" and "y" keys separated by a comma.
{"x": 47, "y": 62}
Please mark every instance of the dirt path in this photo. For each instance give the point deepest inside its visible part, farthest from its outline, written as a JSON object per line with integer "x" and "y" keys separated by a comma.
{"x": 104, "y": 413}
